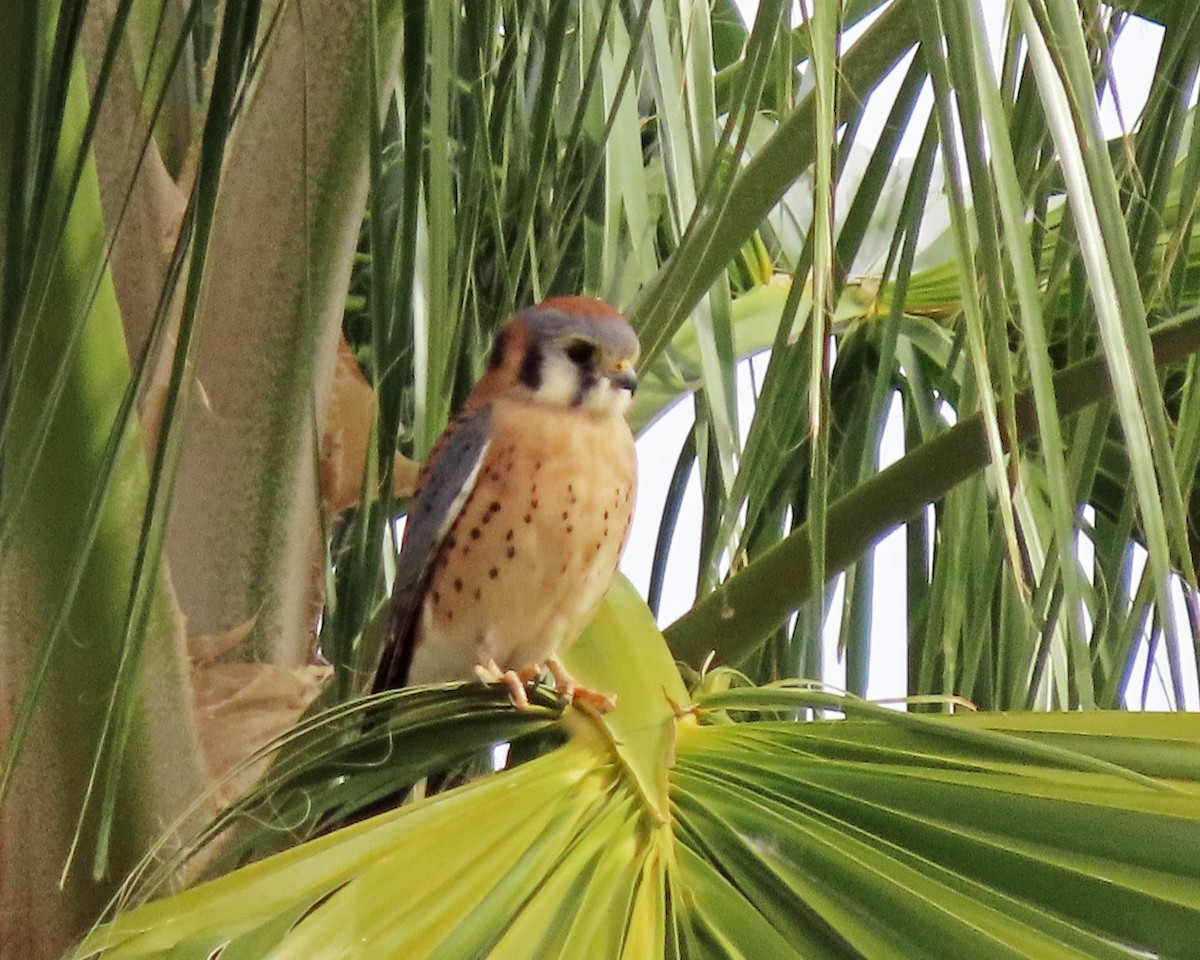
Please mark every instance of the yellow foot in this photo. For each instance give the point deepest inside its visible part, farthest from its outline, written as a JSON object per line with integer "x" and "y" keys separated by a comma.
{"x": 531, "y": 673}
{"x": 490, "y": 672}
{"x": 565, "y": 686}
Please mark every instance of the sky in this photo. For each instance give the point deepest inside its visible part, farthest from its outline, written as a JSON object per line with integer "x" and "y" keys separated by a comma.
{"x": 1133, "y": 58}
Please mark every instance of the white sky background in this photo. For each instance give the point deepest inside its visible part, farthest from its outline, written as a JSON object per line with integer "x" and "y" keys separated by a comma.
{"x": 1134, "y": 56}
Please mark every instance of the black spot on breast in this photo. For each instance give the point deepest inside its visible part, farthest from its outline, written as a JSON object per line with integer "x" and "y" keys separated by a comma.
{"x": 478, "y": 593}
{"x": 498, "y": 348}
{"x": 565, "y": 514}
{"x": 476, "y": 533}
{"x": 494, "y": 573}
{"x": 458, "y": 586}
{"x": 570, "y": 528}
{"x": 530, "y": 373}
{"x": 494, "y": 506}
{"x": 529, "y": 518}
{"x": 509, "y": 535}
{"x": 511, "y": 552}
{"x": 437, "y": 598}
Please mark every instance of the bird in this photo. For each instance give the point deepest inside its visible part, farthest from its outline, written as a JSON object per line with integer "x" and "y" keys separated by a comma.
{"x": 522, "y": 509}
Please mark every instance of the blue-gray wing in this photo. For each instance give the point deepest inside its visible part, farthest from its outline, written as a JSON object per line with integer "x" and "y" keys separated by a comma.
{"x": 446, "y": 487}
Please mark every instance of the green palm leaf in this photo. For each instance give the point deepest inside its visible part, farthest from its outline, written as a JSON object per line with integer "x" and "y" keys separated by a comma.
{"x": 198, "y": 199}
{"x": 721, "y": 833}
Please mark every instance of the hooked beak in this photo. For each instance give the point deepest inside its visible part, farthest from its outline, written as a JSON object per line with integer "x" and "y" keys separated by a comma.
{"x": 625, "y": 380}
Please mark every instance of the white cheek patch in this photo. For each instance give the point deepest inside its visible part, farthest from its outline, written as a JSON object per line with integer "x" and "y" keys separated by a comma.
{"x": 560, "y": 386}
{"x": 560, "y": 380}
{"x": 607, "y": 399}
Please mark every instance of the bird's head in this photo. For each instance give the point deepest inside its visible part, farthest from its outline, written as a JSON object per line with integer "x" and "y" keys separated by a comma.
{"x": 572, "y": 352}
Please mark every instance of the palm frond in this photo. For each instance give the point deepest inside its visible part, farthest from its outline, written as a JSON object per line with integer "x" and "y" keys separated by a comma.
{"x": 722, "y": 832}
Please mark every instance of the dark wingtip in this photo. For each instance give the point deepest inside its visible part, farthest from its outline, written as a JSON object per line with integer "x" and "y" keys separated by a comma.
{"x": 394, "y": 665}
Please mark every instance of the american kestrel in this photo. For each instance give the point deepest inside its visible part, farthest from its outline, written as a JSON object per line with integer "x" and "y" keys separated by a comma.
{"x": 522, "y": 509}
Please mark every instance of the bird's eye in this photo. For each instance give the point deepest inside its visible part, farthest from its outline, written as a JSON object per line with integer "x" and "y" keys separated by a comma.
{"x": 581, "y": 352}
